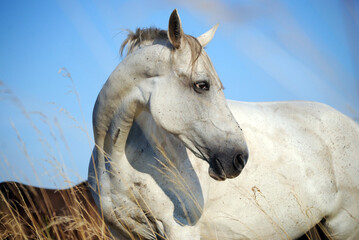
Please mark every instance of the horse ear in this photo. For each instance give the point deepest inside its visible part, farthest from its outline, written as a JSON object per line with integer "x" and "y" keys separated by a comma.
{"x": 205, "y": 38}
{"x": 175, "y": 32}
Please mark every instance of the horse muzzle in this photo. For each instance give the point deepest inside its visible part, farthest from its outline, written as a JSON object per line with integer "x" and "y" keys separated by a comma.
{"x": 220, "y": 169}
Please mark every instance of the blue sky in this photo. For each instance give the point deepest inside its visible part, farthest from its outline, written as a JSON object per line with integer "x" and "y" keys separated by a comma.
{"x": 262, "y": 51}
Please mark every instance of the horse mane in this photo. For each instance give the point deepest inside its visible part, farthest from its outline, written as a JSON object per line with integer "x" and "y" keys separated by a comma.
{"x": 135, "y": 39}
{"x": 141, "y": 35}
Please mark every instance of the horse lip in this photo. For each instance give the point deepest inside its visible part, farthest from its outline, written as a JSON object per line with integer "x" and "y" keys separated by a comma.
{"x": 216, "y": 170}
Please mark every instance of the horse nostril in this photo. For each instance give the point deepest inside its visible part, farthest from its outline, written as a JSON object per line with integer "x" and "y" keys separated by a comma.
{"x": 239, "y": 161}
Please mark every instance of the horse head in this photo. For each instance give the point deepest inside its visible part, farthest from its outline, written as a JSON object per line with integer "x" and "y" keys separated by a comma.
{"x": 188, "y": 101}
{"x": 169, "y": 75}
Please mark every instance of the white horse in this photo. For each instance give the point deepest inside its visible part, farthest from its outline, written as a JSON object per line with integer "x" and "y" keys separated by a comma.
{"x": 162, "y": 111}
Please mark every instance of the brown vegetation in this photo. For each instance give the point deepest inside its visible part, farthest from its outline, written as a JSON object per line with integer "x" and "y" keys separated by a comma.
{"x": 28, "y": 212}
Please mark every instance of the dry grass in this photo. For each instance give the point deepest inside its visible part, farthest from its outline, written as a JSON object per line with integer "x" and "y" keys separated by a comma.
{"x": 28, "y": 212}
{"x": 35, "y": 213}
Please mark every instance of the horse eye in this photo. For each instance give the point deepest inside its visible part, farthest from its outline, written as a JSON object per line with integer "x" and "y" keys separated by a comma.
{"x": 201, "y": 86}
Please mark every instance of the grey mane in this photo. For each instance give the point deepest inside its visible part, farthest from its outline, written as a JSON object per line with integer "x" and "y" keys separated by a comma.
{"x": 135, "y": 39}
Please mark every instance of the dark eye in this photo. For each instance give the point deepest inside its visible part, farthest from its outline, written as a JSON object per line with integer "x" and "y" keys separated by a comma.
{"x": 201, "y": 86}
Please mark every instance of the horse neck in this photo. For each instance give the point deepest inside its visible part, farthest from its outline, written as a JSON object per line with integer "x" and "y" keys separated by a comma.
{"x": 120, "y": 98}
{"x": 114, "y": 112}
{"x": 111, "y": 103}
{"x": 159, "y": 154}
{"x": 119, "y": 108}
{"x": 118, "y": 103}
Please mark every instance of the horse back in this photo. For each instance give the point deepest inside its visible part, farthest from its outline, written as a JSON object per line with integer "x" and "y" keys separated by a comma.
{"x": 323, "y": 142}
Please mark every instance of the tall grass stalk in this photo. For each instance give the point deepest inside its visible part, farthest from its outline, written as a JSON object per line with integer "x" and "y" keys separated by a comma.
{"x": 28, "y": 212}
